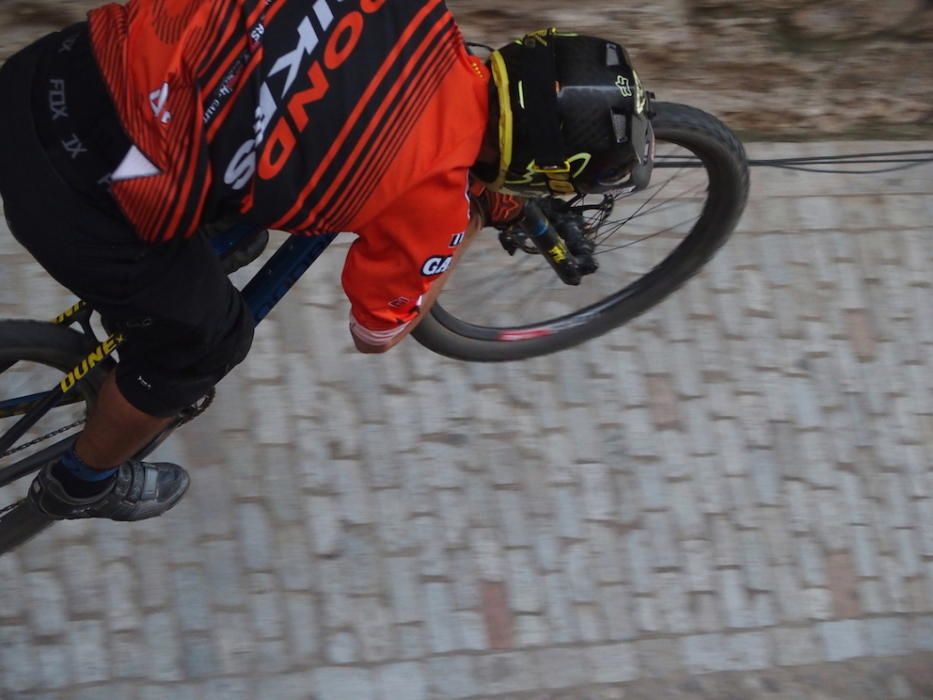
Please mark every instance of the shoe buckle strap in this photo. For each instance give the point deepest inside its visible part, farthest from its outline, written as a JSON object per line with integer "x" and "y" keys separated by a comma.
{"x": 150, "y": 483}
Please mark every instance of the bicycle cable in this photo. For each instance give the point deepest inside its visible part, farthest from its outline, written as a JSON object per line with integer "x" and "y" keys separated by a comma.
{"x": 897, "y": 160}
{"x": 39, "y": 440}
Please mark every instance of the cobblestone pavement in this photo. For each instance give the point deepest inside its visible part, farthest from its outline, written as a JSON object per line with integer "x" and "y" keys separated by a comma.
{"x": 730, "y": 498}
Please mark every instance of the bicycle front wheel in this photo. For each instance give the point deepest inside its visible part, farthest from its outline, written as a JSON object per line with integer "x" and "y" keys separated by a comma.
{"x": 648, "y": 244}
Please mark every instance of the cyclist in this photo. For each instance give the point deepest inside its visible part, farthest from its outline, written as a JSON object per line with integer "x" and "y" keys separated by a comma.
{"x": 123, "y": 136}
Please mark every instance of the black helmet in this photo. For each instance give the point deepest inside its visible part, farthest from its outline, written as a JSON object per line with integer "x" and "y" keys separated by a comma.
{"x": 573, "y": 117}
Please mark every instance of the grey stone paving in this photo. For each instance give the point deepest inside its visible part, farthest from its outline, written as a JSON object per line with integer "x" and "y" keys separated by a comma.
{"x": 731, "y": 497}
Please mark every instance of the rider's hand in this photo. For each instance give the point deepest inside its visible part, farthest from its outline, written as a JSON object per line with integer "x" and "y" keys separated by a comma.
{"x": 498, "y": 210}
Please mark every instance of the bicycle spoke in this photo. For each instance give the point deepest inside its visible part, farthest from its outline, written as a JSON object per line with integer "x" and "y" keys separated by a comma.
{"x": 502, "y": 282}
{"x": 666, "y": 205}
{"x": 671, "y": 203}
{"x": 649, "y": 237}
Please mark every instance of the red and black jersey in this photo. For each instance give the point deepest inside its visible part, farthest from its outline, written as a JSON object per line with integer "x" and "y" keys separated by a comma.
{"x": 308, "y": 116}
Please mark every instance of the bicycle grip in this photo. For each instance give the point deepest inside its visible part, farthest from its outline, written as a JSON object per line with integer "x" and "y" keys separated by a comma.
{"x": 540, "y": 230}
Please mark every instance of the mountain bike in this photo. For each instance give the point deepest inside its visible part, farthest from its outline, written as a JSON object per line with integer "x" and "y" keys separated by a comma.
{"x": 510, "y": 298}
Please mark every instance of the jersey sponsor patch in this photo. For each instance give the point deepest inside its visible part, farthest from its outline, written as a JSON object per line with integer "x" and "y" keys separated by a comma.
{"x": 436, "y": 265}
{"x": 134, "y": 166}
{"x": 297, "y": 80}
{"x": 158, "y": 99}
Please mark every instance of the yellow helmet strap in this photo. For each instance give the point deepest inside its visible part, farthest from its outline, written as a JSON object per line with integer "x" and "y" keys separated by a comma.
{"x": 530, "y": 129}
{"x": 506, "y": 121}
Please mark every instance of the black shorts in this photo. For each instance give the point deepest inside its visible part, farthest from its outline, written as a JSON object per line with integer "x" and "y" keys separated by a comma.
{"x": 186, "y": 325}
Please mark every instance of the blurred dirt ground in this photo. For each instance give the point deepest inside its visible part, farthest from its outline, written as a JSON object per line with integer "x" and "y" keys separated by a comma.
{"x": 772, "y": 68}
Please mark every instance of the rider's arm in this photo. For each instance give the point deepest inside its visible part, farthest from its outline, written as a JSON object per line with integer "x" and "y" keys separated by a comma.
{"x": 488, "y": 209}
{"x": 422, "y": 234}
{"x": 394, "y": 271}
{"x": 367, "y": 343}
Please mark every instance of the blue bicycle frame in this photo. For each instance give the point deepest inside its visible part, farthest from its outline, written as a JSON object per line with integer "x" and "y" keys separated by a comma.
{"x": 282, "y": 270}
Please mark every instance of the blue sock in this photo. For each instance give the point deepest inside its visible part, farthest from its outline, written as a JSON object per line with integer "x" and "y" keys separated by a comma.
{"x": 79, "y": 479}
{"x": 82, "y": 471}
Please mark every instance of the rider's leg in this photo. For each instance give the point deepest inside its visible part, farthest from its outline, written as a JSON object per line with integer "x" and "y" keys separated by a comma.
{"x": 116, "y": 430}
{"x": 165, "y": 365}
{"x": 185, "y": 324}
